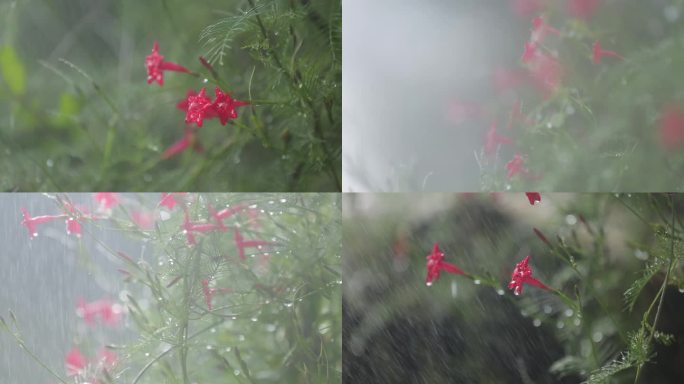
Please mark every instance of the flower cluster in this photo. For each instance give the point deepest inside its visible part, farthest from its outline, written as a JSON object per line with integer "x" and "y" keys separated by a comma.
{"x": 197, "y": 106}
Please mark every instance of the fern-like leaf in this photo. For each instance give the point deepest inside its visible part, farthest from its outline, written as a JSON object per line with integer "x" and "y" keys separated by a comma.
{"x": 218, "y": 37}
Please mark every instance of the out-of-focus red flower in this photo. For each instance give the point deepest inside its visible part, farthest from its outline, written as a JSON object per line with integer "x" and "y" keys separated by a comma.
{"x": 530, "y": 52}
{"x": 75, "y": 362}
{"x": 505, "y": 79}
{"x": 241, "y": 243}
{"x": 197, "y": 107}
{"x": 108, "y": 311}
{"x": 143, "y": 219}
{"x": 540, "y": 29}
{"x": 107, "y": 358}
{"x": 224, "y": 106}
{"x": 220, "y": 216}
{"x": 598, "y": 53}
{"x": 31, "y": 223}
{"x": 436, "y": 264}
{"x": 515, "y": 166}
{"x": 671, "y": 127}
{"x": 582, "y": 8}
{"x": 155, "y": 64}
{"x": 106, "y": 200}
{"x": 188, "y": 140}
{"x": 460, "y": 111}
{"x": 167, "y": 200}
{"x": 210, "y": 292}
{"x": 533, "y": 197}
{"x": 522, "y": 274}
{"x": 546, "y": 72}
{"x": 73, "y": 227}
{"x": 493, "y": 140}
{"x": 526, "y": 8}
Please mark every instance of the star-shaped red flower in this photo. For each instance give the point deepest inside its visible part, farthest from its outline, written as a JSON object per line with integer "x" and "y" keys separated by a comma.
{"x": 515, "y": 166}
{"x": 224, "y": 106}
{"x": 197, "y": 108}
{"x": 436, "y": 264}
{"x": 155, "y": 64}
{"x": 522, "y": 274}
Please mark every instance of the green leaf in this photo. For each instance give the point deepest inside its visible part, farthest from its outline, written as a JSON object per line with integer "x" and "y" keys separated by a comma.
{"x": 69, "y": 107}
{"x": 12, "y": 70}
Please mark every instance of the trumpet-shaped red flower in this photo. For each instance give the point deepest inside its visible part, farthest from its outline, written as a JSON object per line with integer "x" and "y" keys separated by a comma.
{"x": 31, "y": 223}
{"x": 188, "y": 140}
{"x": 75, "y": 362}
{"x": 436, "y": 264}
{"x": 540, "y": 29}
{"x": 515, "y": 166}
{"x": 156, "y": 66}
{"x": 493, "y": 140}
{"x": 672, "y": 127}
{"x": 197, "y": 107}
{"x": 241, "y": 243}
{"x": 210, "y": 292}
{"x": 106, "y": 200}
{"x": 582, "y": 8}
{"x": 73, "y": 226}
{"x": 533, "y": 197}
{"x": 224, "y": 106}
{"x": 530, "y": 52}
{"x": 223, "y": 214}
{"x": 190, "y": 227}
{"x": 599, "y": 53}
{"x": 105, "y": 309}
{"x": 522, "y": 274}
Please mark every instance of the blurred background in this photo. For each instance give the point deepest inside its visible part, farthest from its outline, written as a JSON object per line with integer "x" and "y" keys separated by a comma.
{"x": 474, "y": 329}
{"x": 425, "y": 82}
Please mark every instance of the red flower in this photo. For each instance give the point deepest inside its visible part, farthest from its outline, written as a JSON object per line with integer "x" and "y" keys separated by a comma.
{"x": 106, "y": 200}
{"x": 31, "y": 223}
{"x": 224, "y": 106}
{"x": 188, "y": 140}
{"x": 167, "y": 200}
{"x": 515, "y": 166}
{"x": 107, "y": 357}
{"x": 210, "y": 292}
{"x": 671, "y": 127}
{"x": 75, "y": 362}
{"x": 582, "y": 8}
{"x": 436, "y": 264}
{"x": 156, "y": 66}
{"x": 525, "y": 8}
{"x": 197, "y": 107}
{"x": 493, "y": 140}
{"x": 460, "y": 111}
{"x": 241, "y": 243}
{"x": 224, "y": 214}
{"x": 533, "y": 197}
{"x": 530, "y": 52}
{"x": 522, "y": 274}
{"x": 143, "y": 219}
{"x": 108, "y": 311}
{"x": 598, "y": 53}
{"x": 540, "y": 28}
{"x": 546, "y": 72}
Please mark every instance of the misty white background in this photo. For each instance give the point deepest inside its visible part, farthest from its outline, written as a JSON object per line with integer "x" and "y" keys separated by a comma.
{"x": 404, "y": 62}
